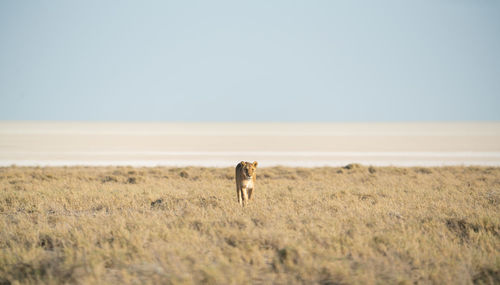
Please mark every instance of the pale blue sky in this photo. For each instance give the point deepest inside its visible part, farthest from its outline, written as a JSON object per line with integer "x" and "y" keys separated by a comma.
{"x": 250, "y": 61}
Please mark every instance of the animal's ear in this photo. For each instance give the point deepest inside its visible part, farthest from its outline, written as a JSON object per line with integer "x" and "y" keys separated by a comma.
{"x": 242, "y": 163}
{"x": 255, "y": 163}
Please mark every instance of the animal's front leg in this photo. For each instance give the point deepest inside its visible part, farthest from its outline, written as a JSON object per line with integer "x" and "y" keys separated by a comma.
{"x": 239, "y": 193}
{"x": 250, "y": 191}
{"x": 245, "y": 196}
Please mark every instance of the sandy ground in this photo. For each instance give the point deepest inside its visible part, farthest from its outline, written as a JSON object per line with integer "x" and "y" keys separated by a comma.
{"x": 224, "y": 144}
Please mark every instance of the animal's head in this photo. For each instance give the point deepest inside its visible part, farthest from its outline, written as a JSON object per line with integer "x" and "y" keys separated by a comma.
{"x": 249, "y": 168}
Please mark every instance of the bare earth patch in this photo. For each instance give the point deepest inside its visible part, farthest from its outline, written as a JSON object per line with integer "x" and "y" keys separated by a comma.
{"x": 353, "y": 224}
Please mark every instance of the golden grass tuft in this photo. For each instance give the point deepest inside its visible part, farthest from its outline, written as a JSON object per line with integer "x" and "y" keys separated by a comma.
{"x": 352, "y": 224}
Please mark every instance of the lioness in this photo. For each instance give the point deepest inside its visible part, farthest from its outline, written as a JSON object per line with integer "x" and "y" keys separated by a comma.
{"x": 245, "y": 181}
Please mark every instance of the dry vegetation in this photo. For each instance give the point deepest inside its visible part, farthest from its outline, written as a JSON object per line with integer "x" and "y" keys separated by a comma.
{"x": 183, "y": 225}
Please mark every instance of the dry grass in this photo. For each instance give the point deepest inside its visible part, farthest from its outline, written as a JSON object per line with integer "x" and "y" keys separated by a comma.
{"x": 183, "y": 225}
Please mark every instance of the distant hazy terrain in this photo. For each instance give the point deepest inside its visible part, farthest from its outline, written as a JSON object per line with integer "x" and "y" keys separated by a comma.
{"x": 339, "y": 225}
{"x": 225, "y": 144}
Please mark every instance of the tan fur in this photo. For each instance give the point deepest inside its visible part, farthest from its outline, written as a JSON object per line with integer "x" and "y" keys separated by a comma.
{"x": 245, "y": 181}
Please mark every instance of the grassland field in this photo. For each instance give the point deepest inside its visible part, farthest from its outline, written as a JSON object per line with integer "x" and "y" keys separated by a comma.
{"x": 344, "y": 225}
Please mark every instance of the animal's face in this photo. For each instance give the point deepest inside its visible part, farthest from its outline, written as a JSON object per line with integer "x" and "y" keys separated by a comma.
{"x": 249, "y": 169}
